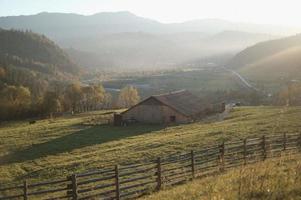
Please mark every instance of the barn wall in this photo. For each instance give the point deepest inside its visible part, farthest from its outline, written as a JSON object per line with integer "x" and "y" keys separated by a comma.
{"x": 179, "y": 117}
{"x": 153, "y": 112}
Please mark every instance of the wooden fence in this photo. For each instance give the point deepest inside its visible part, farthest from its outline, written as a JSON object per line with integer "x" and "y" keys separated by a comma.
{"x": 130, "y": 181}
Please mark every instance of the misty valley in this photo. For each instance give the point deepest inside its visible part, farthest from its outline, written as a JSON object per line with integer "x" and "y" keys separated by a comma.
{"x": 113, "y": 105}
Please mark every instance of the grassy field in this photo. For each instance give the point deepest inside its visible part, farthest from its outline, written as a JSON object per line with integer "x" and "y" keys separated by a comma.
{"x": 273, "y": 179}
{"x": 55, "y": 148}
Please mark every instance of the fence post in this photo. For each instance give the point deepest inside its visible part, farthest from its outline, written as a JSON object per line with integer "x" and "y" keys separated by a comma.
{"x": 25, "y": 190}
{"x": 245, "y": 151}
{"x": 299, "y": 141}
{"x": 221, "y": 156}
{"x": 159, "y": 174}
{"x": 117, "y": 182}
{"x": 192, "y": 164}
{"x": 284, "y": 141}
{"x": 74, "y": 187}
{"x": 264, "y": 150}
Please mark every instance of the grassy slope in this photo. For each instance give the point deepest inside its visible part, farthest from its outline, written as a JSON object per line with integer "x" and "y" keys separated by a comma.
{"x": 282, "y": 66}
{"x": 263, "y": 50}
{"x": 52, "y": 149}
{"x": 273, "y": 179}
{"x": 272, "y": 63}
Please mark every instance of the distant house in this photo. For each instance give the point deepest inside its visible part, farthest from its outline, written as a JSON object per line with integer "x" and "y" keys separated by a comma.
{"x": 175, "y": 107}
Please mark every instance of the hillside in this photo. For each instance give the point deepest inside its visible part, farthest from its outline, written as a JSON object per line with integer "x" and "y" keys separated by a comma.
{"x": 33, "y": 61}
{"x": 59, "y": 147}
{"x": 126, "y": 50}
{"x": 272, "y": 63}
{"x": 122, "y": 39}
{"x": 284, "y": 65}
{"x": 31, "y": 66}
{"x": 273, "y": 179}
{"x": 34, "y": 52}
{"x": 142, "y": 49}
{"x": 263, "y": 50}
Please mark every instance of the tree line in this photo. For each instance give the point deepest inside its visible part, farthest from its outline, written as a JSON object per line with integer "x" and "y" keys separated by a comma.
{"x": 41, "y": 98}
{"x": 38, "y": 79}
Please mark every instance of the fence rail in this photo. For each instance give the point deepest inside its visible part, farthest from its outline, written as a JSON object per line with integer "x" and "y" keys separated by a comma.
{"x": 134, "y": 180}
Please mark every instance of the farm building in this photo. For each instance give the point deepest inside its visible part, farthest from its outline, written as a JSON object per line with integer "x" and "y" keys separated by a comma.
{"x": 175, "y": 107}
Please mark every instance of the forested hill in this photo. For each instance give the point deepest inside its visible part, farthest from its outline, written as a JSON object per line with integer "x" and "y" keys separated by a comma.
{"x": 33, "y": 72}
{"x": 34, "y": 52}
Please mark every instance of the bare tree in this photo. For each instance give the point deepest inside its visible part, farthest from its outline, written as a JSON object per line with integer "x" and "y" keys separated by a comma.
{"x": 128, "y": 97}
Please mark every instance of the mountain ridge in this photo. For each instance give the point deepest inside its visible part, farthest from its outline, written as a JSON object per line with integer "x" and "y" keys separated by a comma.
{"x": 176, "y": 43}
{"x": 145, "y": 49}
{"x": 122, "y": 17}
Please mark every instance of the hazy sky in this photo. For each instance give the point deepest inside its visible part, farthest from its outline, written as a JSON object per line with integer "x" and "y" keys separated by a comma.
{"x": 284, "y": 12}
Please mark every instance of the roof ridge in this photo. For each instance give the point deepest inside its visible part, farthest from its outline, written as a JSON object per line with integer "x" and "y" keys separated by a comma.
{"x": 169, "y": 93}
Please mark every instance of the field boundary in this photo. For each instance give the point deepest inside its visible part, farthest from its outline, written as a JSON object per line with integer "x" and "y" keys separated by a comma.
{"x": 133, "y": 180}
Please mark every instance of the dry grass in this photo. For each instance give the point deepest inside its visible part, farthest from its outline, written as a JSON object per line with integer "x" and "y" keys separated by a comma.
{"x": 52, "y": 149}
{"x": 273, "y": 179}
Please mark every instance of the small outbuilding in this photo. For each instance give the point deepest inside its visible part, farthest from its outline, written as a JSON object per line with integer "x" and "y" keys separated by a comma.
{"x": 175, "y": 107}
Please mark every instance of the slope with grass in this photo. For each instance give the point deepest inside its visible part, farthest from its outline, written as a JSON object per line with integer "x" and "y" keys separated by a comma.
{"x": 284, "y": 65}
{"x": 273, "y": 179}
{"x": 264, "y": 49}
{"x": 50, "y": 149}
{"x": 270, "y": 63}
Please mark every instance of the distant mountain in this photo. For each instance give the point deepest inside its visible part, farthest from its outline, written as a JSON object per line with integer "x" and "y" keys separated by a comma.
{"x": 158, "y": 50}
{"x": 218, "y": 25}
{"x": 122, "y": 39}
{"x": 60, "y": 25}
{"x": 232, "y": 41}
{"x": 270, "y": 61}
{"x": 126, "y": 50}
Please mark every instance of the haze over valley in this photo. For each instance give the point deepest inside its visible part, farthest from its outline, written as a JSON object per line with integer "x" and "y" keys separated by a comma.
{"x": 111, "y": 42}
{"x": 124, "y": 40}
{"x": 150, "y": 99}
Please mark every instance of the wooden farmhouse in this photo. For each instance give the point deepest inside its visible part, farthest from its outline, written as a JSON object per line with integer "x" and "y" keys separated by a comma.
{"x": 175, "y": 107}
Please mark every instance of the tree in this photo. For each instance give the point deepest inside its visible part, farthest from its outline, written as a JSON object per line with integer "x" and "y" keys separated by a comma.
{"x": 93, "y": 97}
{"x": 87, "y": 98}
{"x": 128, "y": 97}
{"x": 15, "y": 101}
{"x": 2, "y": 72}
{"x": 73, "y": 96}
{"x": 99, "y": 95}
{"x": 107, "y": 101}
{"x": 51, "y": 103}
